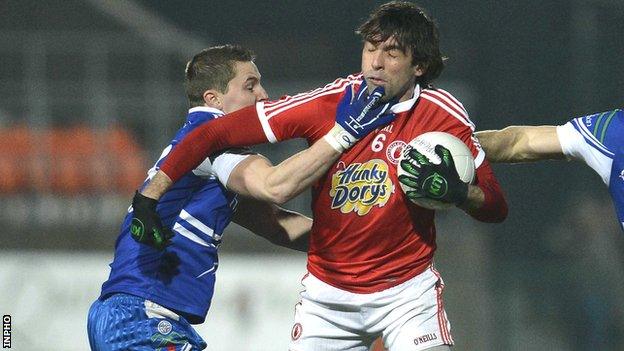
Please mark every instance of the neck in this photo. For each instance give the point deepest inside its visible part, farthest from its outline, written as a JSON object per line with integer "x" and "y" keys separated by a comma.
{"x": 409, "y": 93}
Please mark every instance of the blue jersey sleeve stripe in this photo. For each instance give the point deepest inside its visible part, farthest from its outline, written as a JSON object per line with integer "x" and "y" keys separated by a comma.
{"x": 590, "y": 139}
{"x": 597, "y": 124}
{"x": 606, "y": 125}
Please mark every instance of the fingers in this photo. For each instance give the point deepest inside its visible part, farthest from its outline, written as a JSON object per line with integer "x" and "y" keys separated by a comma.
{"x": 385, "y": 119}
{"x": 161, "y": 238}
{"x": 418, "y": 157}
{"x": 413, "y": 195}
{"x": 445, "y": 155}
{"x": 362, "y": 88}
{"x": 349, "y": 93}
{"x": 377, "y": 93}
{"x": 347, "y": 98}
{"x": 410, "y": 167}
{"x": 409, "y": 181}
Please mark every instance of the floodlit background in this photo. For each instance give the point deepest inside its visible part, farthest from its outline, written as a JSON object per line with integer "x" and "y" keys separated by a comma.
{"x": 91, "y": 91}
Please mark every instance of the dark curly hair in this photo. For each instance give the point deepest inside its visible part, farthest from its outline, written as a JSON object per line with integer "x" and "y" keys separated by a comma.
{"x": 413, "y": 30}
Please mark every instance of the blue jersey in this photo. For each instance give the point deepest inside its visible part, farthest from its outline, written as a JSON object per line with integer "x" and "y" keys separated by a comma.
{"x": 598, "y": 140}
{"x": 197, "y": 208}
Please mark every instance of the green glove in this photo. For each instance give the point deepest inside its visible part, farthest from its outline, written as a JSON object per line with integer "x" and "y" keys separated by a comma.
{"x": 146, "y": 227}
{"x": 439, "y": 182}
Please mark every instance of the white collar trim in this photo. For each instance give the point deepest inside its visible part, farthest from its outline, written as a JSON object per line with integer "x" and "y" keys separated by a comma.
{"x": 206, "y": 109}
{"x": 407, "y": 104}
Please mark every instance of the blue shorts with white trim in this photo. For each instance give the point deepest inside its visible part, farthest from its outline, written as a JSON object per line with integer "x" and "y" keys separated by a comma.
{"x": 127, "y": 322}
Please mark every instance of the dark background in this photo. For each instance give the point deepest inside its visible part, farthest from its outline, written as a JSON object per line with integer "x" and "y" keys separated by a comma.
{"x": 553, "y": 271}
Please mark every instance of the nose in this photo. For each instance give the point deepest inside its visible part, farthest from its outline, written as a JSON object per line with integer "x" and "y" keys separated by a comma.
{"x": 377, "y": 61}
{"x": 261, "y": 94}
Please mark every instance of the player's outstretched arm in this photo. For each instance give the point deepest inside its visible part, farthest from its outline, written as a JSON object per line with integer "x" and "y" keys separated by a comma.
{"x": 279, "y": 226}
{"x": 517, "y": 144}
{"x": 256, "y": 177}
{"x": 356, "y": 116}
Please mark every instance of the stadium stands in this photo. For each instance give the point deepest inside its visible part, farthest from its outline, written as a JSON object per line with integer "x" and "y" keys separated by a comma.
{"x": 70, "y": 161}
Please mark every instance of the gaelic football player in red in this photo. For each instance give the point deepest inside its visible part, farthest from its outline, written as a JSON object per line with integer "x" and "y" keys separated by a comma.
{"x": 370, "y": 258}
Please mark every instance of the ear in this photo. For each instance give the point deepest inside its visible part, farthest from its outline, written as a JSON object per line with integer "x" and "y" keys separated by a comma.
{"x": 213, "y": 98}
{"x": 419, "y": 70}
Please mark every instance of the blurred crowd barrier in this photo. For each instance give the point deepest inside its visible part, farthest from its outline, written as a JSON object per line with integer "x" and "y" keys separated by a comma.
{"x": 51, "y": 294}
{"x": 69, "y": 161}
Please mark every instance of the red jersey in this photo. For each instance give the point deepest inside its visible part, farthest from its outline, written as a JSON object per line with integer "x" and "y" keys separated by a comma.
{"x": 367, "y": 236}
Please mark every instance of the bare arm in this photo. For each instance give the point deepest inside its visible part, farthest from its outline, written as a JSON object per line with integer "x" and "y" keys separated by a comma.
{"x": 256, "y": 177}
{"x": 277, "y": 225}
{"x": 521, "y": 144}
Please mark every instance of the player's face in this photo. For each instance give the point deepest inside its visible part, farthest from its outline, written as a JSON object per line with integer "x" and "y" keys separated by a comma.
{"x": 385, "y": 64}
{"x": 244, "y": 89}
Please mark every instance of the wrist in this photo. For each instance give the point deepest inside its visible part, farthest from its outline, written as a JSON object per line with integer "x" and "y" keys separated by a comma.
{"x": 474, "y": 200}
{"x": 339, "y": 138}
{"x": 461, "y": 196}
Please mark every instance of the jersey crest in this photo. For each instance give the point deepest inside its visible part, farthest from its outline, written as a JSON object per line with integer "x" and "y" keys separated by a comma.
{"x": 358, "y": 187}
{"x": 395, "y": 150}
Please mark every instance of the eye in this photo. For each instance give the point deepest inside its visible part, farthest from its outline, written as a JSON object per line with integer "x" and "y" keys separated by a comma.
{"x": 394, "y": 53}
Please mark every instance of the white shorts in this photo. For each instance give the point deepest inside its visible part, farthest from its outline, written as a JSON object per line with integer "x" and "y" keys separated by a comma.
{"x": 409, "y": 316}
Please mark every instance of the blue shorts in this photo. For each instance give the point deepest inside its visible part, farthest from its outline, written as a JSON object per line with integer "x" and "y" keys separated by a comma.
{"x": 127, "y": 322}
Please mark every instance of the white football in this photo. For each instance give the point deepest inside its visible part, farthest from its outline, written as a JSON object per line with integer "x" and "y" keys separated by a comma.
{"x": 425, "y": 144}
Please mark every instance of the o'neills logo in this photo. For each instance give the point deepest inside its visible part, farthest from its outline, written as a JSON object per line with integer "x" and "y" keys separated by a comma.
{"x": 425, "y": 338}
{"x": 360, "y": 186}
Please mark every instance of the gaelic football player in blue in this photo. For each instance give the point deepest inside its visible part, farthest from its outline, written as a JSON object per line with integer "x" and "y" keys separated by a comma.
{"x": 156, "y": 291}
{"x": 596, "y": 139}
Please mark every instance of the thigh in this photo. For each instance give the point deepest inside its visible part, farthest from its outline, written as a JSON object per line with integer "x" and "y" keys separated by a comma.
{"x": 121, "y": 323}
{"x": 318, "y": 327}
{"x": 424, "y": 326}
{"x": 439, "y": 348}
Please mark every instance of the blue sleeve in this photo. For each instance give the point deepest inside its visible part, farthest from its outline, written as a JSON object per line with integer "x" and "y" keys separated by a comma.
{"x": 616, "y": 184}
{"x": 603, "y": 130}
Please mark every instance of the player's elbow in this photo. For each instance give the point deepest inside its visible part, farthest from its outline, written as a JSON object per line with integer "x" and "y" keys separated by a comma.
{"x": 492, "y": 211}
{"x": 502, "y": 213}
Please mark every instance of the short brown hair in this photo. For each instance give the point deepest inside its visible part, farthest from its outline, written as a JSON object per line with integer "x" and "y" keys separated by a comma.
{"x": 213, "y": 68}
{"x": 413, "y": 31}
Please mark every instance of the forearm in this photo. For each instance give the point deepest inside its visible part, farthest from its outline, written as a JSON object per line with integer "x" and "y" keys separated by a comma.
{"x": 158, "y": 186}
{"x": 518, "y": 144}
{"x": 297, "y": 229}
{"x": 300, "y": 171}
{"x": 486, "y": 202}
{"x": 500, "y": 145}
{"x": 279, "y": 226}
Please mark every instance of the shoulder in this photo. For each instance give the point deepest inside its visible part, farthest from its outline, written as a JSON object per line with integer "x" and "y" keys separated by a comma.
{"x": 196, "y": 117}
{"x": 602, "y": 131}
{"x": 442, "y": 102}
{"x": 327, "y": 92}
